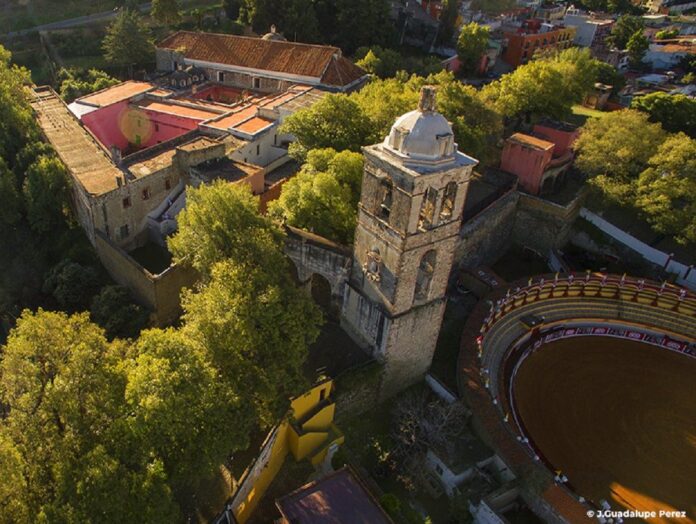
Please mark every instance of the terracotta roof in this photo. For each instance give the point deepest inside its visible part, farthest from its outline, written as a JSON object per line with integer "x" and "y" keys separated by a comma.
{"x": 531, "y": 141}
{"x": 179, "y": 110}
{"x": 341, "y": 72}
{"x": 315, "y": 61}
{"x": 254, "y": 125}
{"x": 117, "y": 93}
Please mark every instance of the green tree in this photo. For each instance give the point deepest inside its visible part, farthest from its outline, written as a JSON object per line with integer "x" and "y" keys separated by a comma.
{"x": 114, "y": 310}
{"x": 471, "y": 45}
{"x": 608, "y": 75}
{"x": 359, "y": 23}
{"x": 667, "y": 188}
{"x": 128, "y": 41}
{"x": 61, "y": 383}
{"x": 675, "y": 112}
{"x": 72, "y": 285}
{"x": 166, "y": 11}
{"x": 637, "y": 46}
{"x": 476, "y": 124}
{"x": 257, "y": 326}
{"x": 324, "y": 195}
{"x": 179, "y": 409}
{"x": 255, "y": 322}
{"x": 13, "y": 509}
{"x": 11, "y": 210}
{"x": 45, "y": 194}
{"x": 666, "y": 34}
{"x": 232, "y": 8}
{"x": 448, "y": 21}
{"x": 16, "y": 120}
{"x": 335, "y": 121}
{"x": 222, "y": 221}
{"x": 548, "y": 86}
{"x": 615, "y": 149}
{"x": 624, "y": 28}
{"x": 300, "y": 22}
{"x": 75, "y": 83}
{"x": 382, "y": 101}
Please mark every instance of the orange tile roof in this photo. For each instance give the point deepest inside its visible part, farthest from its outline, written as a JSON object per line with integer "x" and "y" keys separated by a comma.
{"x": 531, "y": 141}
{"x": 316, "y": 61}
{"x": 341, "y": 72}
{"x": 253, "y": 125}
{"x": 117, "y": 93}
{"x": 178, "y": 110}
{"x": 233, "y": 119}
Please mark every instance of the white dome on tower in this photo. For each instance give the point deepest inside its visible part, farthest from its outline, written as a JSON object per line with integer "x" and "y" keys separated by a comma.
{"x": 424, "y": 134}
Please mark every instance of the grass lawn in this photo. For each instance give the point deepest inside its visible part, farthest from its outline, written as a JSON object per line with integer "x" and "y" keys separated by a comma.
{"x": 582, "y": 113}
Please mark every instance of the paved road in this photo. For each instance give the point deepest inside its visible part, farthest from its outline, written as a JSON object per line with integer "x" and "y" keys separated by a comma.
{"x": 76, "y": 22}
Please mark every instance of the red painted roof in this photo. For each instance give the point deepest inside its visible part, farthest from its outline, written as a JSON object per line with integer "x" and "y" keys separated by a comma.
{"x": 316, "y": 61}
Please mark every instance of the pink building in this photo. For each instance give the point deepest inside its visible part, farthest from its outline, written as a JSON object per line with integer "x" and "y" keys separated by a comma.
{"x": 540, "y": 161}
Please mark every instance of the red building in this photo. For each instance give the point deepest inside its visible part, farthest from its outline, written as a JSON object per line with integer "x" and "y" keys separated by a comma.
{"x": 540, "y": 161}
{"x": 535, "y": 36}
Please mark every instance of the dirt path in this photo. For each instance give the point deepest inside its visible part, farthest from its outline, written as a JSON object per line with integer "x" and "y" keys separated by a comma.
{"x": 618, "y": 418}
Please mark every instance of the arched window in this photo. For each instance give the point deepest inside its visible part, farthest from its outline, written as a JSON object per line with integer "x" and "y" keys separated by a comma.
{"x": 427, "y": 211}
{"x": 385, "y": 205}
{"x": 424, "y": 278}
{"x": 448, "y": 199}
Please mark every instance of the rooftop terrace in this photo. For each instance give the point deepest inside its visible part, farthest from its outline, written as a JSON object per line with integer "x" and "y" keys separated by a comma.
{"x": 86, "y": 159}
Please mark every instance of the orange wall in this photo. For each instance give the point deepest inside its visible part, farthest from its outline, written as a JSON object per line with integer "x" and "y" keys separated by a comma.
{"x": 527, "y": 163}
{"x": 519, "y": 44}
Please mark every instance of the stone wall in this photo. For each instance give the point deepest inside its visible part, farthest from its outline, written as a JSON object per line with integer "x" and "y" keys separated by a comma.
{"x": 544, "y": 225}
{"x": 160, "y": 293}
{"x": 357, "y": 389}
{"x": 312, "y": 254}
{"x": 485, "y": 237}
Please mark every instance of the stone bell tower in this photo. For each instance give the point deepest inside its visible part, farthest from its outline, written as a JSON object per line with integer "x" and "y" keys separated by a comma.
{"x": 413, "y": 192}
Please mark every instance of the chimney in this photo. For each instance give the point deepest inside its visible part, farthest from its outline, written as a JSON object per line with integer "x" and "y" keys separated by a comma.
{"x": 427, "y": 99}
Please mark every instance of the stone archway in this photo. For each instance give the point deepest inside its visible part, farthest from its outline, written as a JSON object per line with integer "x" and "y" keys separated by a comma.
{"x": 320, "y": 289}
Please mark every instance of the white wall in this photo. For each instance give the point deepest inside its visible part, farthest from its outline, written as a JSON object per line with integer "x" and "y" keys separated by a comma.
{"x": 649, "y": 253}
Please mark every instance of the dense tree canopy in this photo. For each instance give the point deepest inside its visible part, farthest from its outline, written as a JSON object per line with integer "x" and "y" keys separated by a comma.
{"x": 624, "y": 28}
{"x": 128, "y": 41}
{"x": 615, "y": 149}
{"x": 252, "y": 318}
{"x": 636, "y": 47}
{"x": 471, "y": 45}
{"x": 323, "y": 197}
{"x": 166, "y": 11}
{"x": 61, "y": 382}
{"x": 336, "y": 121}
{"x": 675, "y": 112}
{"x": 386, "y": 63}
{"x": 75, "y": 83}
{"x": 548, "y": 86}
{"x": 667, "y": 188}
{"x": 179, "y": 408}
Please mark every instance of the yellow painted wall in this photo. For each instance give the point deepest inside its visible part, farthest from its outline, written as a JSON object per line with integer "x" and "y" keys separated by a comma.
{"x": 288, "y": 440}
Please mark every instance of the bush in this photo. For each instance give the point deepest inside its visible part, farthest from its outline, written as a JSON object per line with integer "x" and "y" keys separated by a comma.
{"x": 114, "y": 310}
{"x": 339, "y": 459}
{"x": 72, "y": 285}
{"x": 391, "y": 504}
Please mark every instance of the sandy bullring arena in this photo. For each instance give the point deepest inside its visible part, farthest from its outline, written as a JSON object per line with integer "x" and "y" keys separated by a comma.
{"x": 617, "y": 417}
